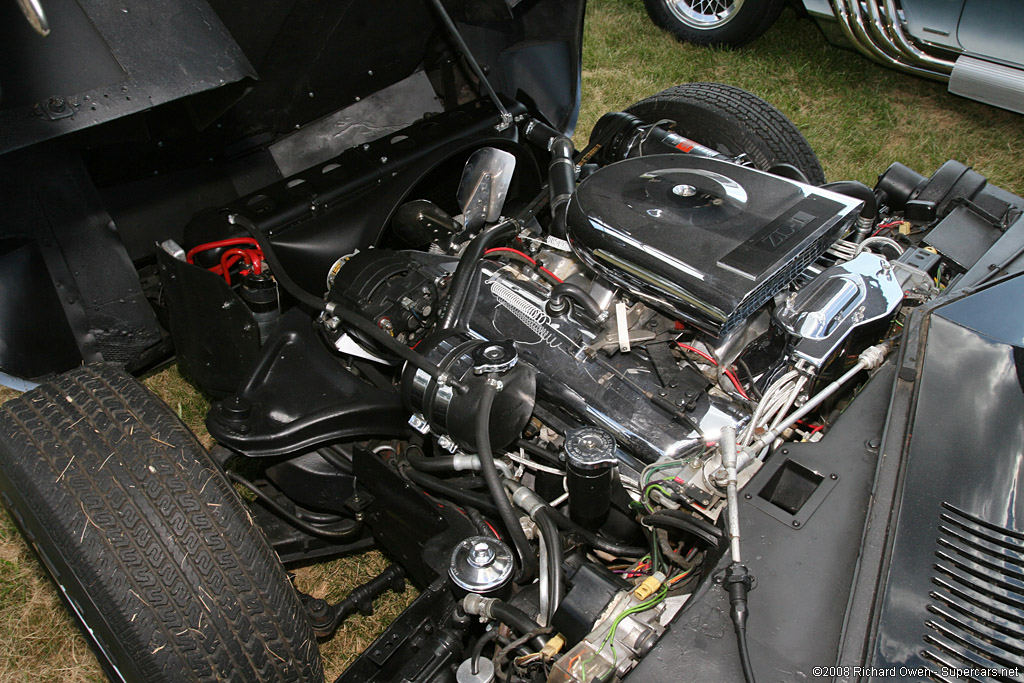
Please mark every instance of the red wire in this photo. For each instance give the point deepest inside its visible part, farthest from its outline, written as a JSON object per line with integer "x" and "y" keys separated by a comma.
{"x": 511, "y": 251}
{"x": 532, "y": 261}
{"x": 218, "y": 244}
{"x": 885, "y": 226}
{"x": 553, "y": 276}
{"x": 728, "y": 373}
{"x": 225, "y": 266}
{"x": 491, "y": 527}
{"x": 228, "y": 259}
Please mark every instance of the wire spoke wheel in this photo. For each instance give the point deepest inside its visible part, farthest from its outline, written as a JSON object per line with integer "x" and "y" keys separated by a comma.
{"x": 714, "y": 22}
{"x": 705, "y": 14}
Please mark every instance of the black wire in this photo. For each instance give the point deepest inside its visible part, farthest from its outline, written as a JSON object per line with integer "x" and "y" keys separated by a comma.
{"x": 663, "y": 521}
{"x": 694, "y": 520}
{"x": 292, "y": 519}
{"x": 478, "y": 649}
{"x": 456, "y": 493}
{"x": 741, "y": 643}
{"x": 499, "y": 658}
{"x": 753, "y": 385}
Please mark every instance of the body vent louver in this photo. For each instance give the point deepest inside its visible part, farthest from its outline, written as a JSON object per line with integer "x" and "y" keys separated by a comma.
{"x": 977, "y": 603}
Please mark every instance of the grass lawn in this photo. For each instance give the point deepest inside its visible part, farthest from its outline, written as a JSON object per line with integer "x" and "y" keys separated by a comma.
{"x": 858, "y": 116}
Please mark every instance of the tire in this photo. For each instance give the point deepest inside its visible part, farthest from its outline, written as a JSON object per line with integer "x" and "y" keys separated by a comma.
{"x": 733, "y": 121}
{"x": 729, "y": 23}
{"x": 150, "y": 548}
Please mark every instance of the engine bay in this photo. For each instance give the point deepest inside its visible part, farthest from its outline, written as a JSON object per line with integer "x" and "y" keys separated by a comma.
{"x": 660, "y": 404}
{"x": 585, "y": 394}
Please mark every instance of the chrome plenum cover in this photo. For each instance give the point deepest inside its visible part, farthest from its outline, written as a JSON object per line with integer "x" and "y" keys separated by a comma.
{"x": 824, "y": 312}
{"x": 707, "y": 241}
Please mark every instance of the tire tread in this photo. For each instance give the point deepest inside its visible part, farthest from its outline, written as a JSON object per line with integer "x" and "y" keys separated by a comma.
{"x": 158, "y": 542}
{"x": 771, "y": 137}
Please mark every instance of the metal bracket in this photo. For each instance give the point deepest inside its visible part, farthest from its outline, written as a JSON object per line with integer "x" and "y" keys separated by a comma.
{"x": 506, "y": 121}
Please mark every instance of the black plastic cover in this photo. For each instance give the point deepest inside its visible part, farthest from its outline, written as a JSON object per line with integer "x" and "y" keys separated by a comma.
{"x": 592, "y": 589}
{"x": 708, "y": 239}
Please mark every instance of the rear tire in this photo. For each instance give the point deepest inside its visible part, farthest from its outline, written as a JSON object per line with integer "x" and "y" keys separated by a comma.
{"x": 732, "y": 121}
{"x": 151, "y": 549}
{"x": 714, "y": 22}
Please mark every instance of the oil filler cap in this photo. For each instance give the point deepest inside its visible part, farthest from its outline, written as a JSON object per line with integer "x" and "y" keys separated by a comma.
{"x": 494, "y": 357}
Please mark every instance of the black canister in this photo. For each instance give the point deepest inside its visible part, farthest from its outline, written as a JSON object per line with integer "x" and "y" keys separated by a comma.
{"x": 590, "y": 459}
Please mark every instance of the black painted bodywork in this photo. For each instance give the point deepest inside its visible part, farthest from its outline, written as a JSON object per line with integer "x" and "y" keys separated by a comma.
{"x": 170, "y": 107}
{"x": 952, "y": 596}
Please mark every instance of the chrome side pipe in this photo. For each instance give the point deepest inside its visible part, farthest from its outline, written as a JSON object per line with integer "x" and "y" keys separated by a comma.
{"x": 877, "y": 33}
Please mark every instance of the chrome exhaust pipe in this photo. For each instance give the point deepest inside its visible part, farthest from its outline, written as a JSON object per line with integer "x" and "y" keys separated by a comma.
{"x": 878, "y": 34}
{"x": 904, "y": 44}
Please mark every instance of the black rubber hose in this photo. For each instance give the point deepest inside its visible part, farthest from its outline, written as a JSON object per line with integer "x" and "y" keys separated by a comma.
{"x": 553, "y": 544}
{"x": 361, "y": 598}
{"x": 479, "y": 522}
{"x": 280, "y": 274}
{"x": 662, "y": 521}
{"x": 598, "y": 542}
{"x": 338, "y": 460}
{"x": 567, "y": 290}
{"x": 464, "y": 272}
{"x": 748, "y": 670}
{"x": 561, "y": 183}
{"x": 696, "y": 521}
{"x": 437, "y": 463}
{"x": 456, "y": 493}
{"x": 516, "y": 619}
{"x": 857, "y": 190}
{"x": 292, "y": 519}
{"x": 737, "y": 582}
{"x": 527, "y": 564}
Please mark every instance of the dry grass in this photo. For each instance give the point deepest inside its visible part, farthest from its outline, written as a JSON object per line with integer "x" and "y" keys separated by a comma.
{"x": 858, "y": 116}
{"x": 40, "y": 642}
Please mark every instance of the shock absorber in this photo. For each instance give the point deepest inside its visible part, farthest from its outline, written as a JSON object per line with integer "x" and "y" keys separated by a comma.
{"x": 623, "y": 136}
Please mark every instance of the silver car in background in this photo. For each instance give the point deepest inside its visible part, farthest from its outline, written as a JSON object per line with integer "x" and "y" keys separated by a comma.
{"x": 976, "y": 46}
